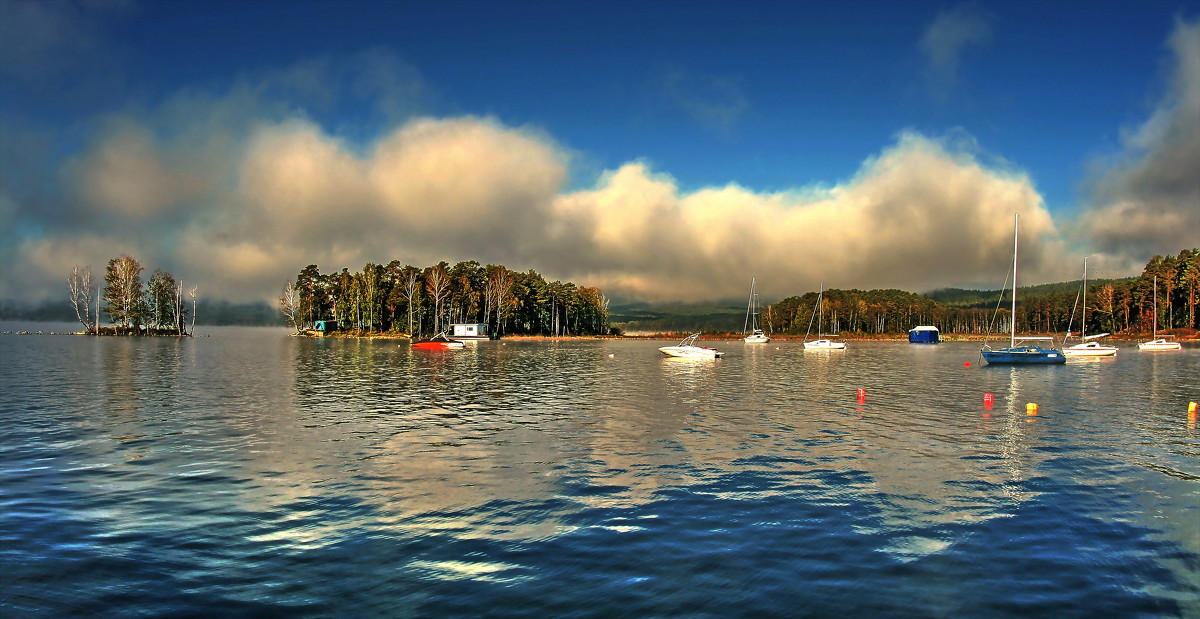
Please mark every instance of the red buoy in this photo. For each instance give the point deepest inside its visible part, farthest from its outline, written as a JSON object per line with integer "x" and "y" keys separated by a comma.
{"x": 967, "y": 364}
{"x": 988, "y": 400}
{"x": 862, "y": 396}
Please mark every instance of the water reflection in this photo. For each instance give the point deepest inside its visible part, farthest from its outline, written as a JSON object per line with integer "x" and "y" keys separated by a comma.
{"x": 437, "y": 438}
{"x": 527, "y": 464}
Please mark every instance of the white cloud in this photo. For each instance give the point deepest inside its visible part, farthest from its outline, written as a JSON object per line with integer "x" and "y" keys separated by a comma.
{"x": 923, "y": 212}
{"x": 714, "y": 103}
{"x": 1146, "y": 200}
{"x": 916, "y": 215}
{"x": 237, "y": 192}
{"x": 945, "y": 40}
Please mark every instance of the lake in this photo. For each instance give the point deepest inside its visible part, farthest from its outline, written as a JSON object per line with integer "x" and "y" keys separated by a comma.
{"x": 247, "y": 473}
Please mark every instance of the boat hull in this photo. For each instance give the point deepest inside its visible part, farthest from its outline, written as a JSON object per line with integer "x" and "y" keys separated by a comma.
{"x": 438, "y": 343}
{"x": 1024, "y": 355}
{"x": 1091, "y": 349}
{"x": 923, "y": 335}
{"x": 1158, "y": 345}
{"x": 690, "y": 352}
{"x": 824, "y": 345}
{"x": 757, "y": 338}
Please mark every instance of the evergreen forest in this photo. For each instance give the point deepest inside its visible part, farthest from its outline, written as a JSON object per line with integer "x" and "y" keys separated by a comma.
{"x": 401, "y": 298}
{"x": 1113, "y": 306}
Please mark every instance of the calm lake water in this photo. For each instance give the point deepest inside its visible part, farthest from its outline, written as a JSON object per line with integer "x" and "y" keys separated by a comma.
{"x": 248, "y": 473}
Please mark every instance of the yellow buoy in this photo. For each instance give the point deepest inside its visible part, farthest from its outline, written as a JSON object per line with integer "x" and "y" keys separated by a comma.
{"x": 1031, "y": 409}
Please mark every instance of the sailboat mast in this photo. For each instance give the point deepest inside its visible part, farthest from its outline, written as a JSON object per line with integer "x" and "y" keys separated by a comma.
{"x": 1012, "y": 337}
{"x": 1155, "y": 331}
{"x": 821, "y": 310}
{"x": 1083, "y": 325}
{"x": 749, "y": 304}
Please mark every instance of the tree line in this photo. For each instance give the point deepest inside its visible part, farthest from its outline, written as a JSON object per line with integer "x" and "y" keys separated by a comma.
{"x": 403, "y": 298}
{"x": 1112, "y": 306}
{"x": 157, "y": 308}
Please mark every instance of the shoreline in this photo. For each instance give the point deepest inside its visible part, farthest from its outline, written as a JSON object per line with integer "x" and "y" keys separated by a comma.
{"x": 1181, "y": 335}
{"x": 1187, "y": 335}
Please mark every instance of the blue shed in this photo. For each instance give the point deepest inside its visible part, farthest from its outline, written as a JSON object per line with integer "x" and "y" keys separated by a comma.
{"x": 923, "y": 335}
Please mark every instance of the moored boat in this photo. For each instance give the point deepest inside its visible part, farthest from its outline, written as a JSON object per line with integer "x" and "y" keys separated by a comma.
{"x": 688, "y": 349}
{"x": 1091, "y": 349}
{"x": 1088, "y": 348}
{"x": 756, "y": 334}
{"x": 1156, "y": 343}
{"x": 924, "y": 335}
{"x": 470, "y": 331}
{"x": 821, "y": 343}
{"x": 438, "y": 342}
{"x": 1026, "y": 354}
{"x": 1160, "y": 344}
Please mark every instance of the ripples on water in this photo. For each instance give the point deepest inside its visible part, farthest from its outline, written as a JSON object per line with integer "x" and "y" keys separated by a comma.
{"x": 253, "y": 474}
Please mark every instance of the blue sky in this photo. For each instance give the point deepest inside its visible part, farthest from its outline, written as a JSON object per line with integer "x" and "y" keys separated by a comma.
{"x": 591, "y": 140}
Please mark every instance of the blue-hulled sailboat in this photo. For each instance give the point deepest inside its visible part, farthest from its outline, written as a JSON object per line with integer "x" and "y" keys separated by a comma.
{"x": 1025, "y": 354}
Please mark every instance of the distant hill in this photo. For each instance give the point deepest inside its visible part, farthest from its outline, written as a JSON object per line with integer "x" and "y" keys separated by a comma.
{"x": 960, "y": 297}
{"x": 717, "y": 316}
{"x": 208, "y": 312}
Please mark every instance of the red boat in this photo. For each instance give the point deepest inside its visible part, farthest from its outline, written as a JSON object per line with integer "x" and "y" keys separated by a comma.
{"x": 438, "y": 342}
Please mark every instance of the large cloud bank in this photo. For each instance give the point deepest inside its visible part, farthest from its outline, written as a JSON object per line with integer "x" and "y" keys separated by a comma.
{"x": 239, "y": 216}
{"x": 237, "y": 191}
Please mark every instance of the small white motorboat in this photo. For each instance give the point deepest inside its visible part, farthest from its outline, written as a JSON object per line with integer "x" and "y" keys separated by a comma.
{"x": 688, "y": 348}
{"x": 438, "y": 342}
{"x": 757, "y": 337}
{"x": 1090, "y": 349}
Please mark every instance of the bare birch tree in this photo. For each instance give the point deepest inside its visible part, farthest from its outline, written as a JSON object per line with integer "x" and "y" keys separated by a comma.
{"x": 437, "y": 284}
{"x": 79, "y": 284}
{"x": 193, "y": 295}
{"x": 178, "y": 317}
{"x": 289, "y": 305}
{"x": 412, "y": 288}
{"x": 497, "y": 288}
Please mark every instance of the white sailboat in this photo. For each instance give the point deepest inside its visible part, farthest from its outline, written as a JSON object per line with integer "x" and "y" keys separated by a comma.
{"x": 1088, "y": 348}
{"x": 752, "y": 333}
{"x": 1158, "y": 343}
{"x": 821, "y": 343}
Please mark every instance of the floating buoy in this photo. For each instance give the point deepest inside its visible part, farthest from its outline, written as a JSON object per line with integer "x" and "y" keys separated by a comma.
{"x": 967, "y": 364}
{"x": 1191, "y": 411}
{"x": 862, "y": 396}
{"x": 988, "y": 400}
{"x": 611, "y": 356}
{"x": 1031, "y": 409}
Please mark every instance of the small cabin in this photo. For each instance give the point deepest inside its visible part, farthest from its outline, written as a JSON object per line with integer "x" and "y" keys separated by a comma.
{"x": 469, "y": 330}
{"x": 325, "y": 326}
{"x": 923, "y": 335}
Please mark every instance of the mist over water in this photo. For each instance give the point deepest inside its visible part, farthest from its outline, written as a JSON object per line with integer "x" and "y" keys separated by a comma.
{"x": 249, "y": 473}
